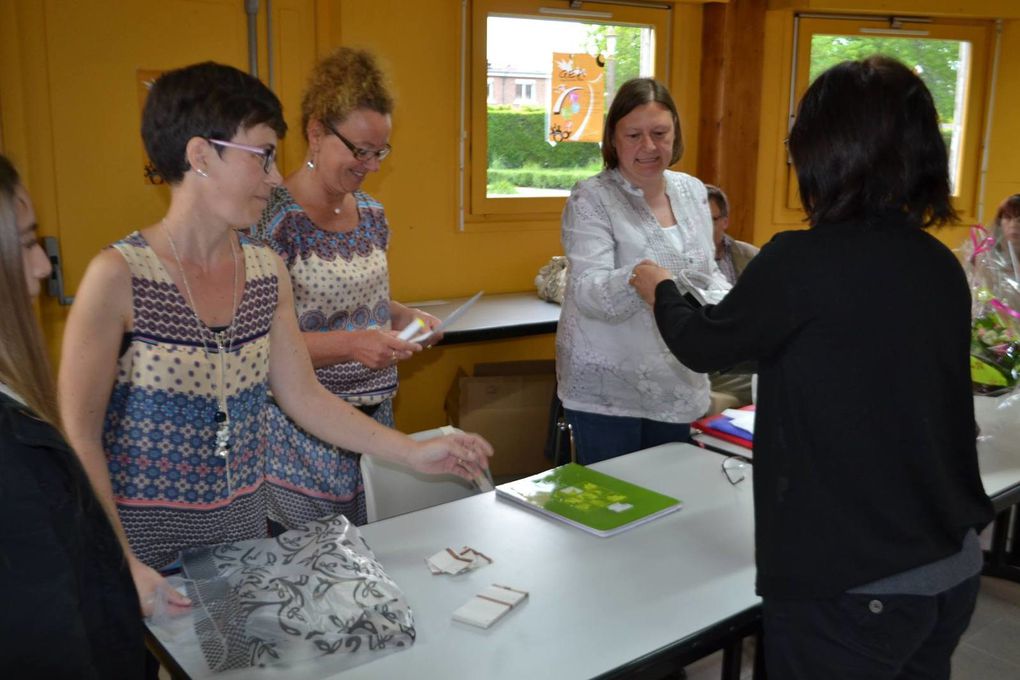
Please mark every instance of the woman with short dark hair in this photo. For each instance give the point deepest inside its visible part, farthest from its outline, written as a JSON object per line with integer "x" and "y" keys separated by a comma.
{"x": 866, "y": 485}
{"x": 179, "y": 331}
{"x": 621, "y": 388}
{"x": 70, "y": 610}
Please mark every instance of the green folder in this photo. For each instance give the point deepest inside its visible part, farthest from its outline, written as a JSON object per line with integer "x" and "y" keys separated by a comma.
{"x": 594, "y": 501}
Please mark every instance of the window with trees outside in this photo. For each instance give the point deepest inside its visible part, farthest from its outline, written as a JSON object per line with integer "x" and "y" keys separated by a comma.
{"x": 951, "y": 58}
{"x": 550, "y": 74}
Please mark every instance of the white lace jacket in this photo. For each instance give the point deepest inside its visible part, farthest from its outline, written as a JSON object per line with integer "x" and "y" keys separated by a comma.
{"x": 609, "y": 356}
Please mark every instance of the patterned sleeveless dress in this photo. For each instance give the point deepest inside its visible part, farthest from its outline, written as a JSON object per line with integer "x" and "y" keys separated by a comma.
{"x": 341, "y": 282}
{"x": 159, "y": 434}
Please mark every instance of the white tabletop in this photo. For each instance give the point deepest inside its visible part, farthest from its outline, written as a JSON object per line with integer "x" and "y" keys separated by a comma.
{"x": 596, "y": 603}
{"x": 999, "y": 447}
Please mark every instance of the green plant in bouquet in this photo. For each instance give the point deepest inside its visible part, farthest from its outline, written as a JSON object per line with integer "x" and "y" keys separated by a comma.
{"x": 995, "y": 349}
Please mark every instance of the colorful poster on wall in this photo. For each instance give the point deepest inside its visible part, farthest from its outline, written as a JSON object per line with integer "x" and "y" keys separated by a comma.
{"x": 577, "y": 98}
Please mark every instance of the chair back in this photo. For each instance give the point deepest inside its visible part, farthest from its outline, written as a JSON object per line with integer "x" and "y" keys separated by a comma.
{"x": 392, "y": 489}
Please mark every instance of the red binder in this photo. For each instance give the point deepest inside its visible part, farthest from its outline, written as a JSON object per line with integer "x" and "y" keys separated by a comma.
{"x": 705, "y": 425}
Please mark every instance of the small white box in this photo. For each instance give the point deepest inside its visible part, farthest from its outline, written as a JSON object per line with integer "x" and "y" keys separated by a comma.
{"x": 488, "y": 606}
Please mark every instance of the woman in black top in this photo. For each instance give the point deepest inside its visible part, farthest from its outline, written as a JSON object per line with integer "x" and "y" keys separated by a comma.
{"x": 866, "y": 484}
{"x": 70, "y": 609}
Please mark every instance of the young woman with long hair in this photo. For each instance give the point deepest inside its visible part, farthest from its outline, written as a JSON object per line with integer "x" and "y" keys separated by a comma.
{"x": 69, "y": 587}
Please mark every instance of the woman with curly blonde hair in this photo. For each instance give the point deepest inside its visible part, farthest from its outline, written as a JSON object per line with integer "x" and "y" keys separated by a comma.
{"x": 333, "y": 238}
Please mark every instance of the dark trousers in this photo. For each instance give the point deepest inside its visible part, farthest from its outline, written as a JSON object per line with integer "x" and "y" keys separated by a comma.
{"x": 867, "y": 637}
{"x": 599, "y": 437}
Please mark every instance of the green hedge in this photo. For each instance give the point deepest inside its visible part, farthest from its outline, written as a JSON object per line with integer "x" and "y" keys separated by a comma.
{"x": 517, "y": 138}
{"x": 541, "y": 178}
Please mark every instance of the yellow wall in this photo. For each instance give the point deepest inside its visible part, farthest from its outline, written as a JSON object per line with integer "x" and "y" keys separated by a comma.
{"x": 419, "y": 44}
{"x": 1003, "y": 173}
{"x": 1003, "y": 160}
{"x": 42, "y": 55}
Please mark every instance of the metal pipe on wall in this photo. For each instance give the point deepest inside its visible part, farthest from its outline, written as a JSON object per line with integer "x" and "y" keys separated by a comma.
{"x": 269, "y": 45}
{"x": 251, "y": 8}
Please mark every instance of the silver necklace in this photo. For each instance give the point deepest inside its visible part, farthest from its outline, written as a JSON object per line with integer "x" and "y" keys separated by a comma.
{"x": 224, "y": 344}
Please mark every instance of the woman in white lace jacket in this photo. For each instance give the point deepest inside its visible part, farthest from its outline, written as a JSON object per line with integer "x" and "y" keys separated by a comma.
{"x": 621, "y": 387}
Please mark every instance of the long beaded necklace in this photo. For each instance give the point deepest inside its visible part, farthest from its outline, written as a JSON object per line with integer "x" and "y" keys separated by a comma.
{"x": 224, "y": 344}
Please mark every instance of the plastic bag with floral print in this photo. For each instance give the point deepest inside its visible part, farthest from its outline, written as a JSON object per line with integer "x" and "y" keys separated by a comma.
{"x": 316, "y": 590}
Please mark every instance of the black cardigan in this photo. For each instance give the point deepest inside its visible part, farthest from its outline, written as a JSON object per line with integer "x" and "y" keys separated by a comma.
{"x": 70, "y": 609}
{"x": 865, "y": 461}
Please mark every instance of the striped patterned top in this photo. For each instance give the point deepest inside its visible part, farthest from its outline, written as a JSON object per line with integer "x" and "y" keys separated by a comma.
{"x": 159, "y": 434}
{"x": 341, "y": 282}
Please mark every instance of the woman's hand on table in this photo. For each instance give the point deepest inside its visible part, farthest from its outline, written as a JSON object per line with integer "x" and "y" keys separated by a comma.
{"x": 645, "y": 276}
{"x": 151, "y": 585}
{"x": 463, "y": 454}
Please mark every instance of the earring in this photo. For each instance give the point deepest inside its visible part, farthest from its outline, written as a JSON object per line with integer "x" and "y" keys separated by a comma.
{"x": 310, "y": 164}
{"x": 201, "y": 172}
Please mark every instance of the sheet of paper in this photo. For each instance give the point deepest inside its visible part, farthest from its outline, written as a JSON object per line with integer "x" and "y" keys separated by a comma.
{"x": 742, "y": 419}
{"x": 452, "y": 317}
{"x": 450, "y": 561}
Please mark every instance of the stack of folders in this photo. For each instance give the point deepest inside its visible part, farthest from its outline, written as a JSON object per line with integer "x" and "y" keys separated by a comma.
{"x": 731, "y": 431}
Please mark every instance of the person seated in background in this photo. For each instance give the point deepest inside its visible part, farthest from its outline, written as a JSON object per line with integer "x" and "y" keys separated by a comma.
{"x": 1007, "y": 222}
{"x": 333, "y": 238}
{"x": 179, "y": 331}
{"x": 729, "y": 388}
{"x": 1006, "y": 232}
{"x": 731, "y": 255}
{"x": 867, "y": 491}
{"x": 70, "y": 610}
{"x": 621, "y": 388}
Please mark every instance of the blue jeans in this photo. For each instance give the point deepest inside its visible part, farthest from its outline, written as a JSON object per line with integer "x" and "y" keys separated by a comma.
{"x": 599, "y": 437}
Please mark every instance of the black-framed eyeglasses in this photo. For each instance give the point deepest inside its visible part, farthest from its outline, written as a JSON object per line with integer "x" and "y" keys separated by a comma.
{"x": 268, "y": 153}
{"x": 358, "y": 152}
{"x": 733, "y": 467}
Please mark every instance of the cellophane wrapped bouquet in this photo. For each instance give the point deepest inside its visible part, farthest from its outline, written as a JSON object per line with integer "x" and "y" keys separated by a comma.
{"x": 994, "y": 277}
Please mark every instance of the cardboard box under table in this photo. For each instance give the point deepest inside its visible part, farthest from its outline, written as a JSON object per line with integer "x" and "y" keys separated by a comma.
{"x": 508, "y": 404}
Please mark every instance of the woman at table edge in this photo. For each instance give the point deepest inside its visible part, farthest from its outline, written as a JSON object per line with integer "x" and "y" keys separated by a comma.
{"x": 68, "y": 583}
{"x": 867, "y": 491}
{"x": 211, "y": 132}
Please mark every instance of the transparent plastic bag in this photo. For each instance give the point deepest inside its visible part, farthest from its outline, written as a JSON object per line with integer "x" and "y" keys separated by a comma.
{"x": 551, "y": 280}
{"x": 702, "y": 287}
{"x": 313, "y": 591}
{"x": 994, "y": 279}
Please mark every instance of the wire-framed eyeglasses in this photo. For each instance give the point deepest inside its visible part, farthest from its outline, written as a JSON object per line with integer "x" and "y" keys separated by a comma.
{"x": 358, "y": 152}
{"x": 733, "y": 467}
{"x": 268, "y": 153}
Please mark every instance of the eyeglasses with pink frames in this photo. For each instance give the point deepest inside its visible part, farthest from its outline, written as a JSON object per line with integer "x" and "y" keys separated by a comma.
{"x": 268, "y": 153}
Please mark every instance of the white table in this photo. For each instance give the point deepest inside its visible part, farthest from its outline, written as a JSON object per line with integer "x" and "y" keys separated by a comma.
{"x": 999, "y": 456}
{"x": 608, "y": 607}
{"x": 495, "y": 317}
{"x": 999, "y": 462}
